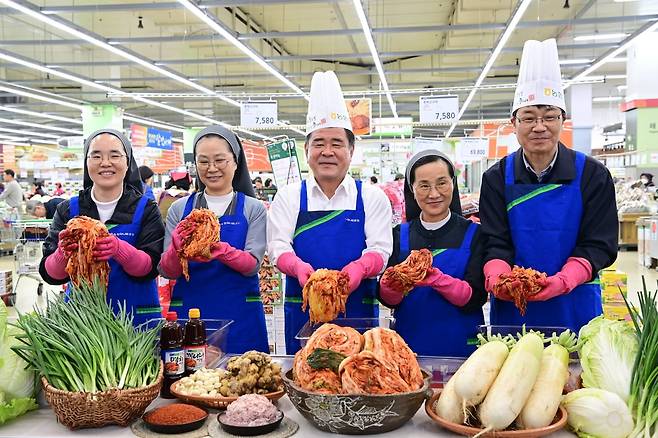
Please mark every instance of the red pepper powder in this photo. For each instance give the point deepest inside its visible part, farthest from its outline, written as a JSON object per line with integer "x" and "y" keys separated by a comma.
{"x": 177, "y": 413}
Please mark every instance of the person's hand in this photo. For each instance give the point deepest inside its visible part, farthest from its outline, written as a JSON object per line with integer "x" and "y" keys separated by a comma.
{"x": 555, "y": 286}
{"x": 106, "y": 248}
{"x": 66, "y": 243}
{"x": 366, "y": 266}
{"x": 433, "y": 274}
{"x": 575, "y": 272}
{"x": 178, "y": 236}
{"x": 493, "y": 269}
{"x": 291, "y": 265}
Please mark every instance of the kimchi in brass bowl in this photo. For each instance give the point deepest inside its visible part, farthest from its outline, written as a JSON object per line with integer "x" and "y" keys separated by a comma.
{"x": 356, "y": 414}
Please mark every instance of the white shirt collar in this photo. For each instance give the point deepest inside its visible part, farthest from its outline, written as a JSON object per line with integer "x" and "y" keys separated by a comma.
{"x": 344, "y": 186}
{"x": 430, "y": 226}
{"x": 544, "y": 172}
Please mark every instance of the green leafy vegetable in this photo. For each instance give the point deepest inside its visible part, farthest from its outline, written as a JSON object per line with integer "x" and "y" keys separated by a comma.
{"x": 597, "y": 413}
{"x": 607, "y": 354}
{"x": 322, "y": 358}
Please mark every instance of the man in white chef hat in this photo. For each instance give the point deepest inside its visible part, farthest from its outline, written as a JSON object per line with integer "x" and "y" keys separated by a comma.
{"x": 547, "y": 207}
{"x": 329, "y": 220}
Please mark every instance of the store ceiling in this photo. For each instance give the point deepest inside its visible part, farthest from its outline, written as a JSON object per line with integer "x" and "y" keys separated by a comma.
{"x": 422, "y": 44}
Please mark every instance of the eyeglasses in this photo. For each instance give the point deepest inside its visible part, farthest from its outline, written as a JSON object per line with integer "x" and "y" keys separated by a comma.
{"x": 219, "y": 164}
{"x": 532, "y": 121}
{"x": 114, "y": 157}
{"x": 425, "y": 189}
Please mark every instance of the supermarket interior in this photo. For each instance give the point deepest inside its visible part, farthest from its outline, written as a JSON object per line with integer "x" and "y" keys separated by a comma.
{"x": 433, "y": 167}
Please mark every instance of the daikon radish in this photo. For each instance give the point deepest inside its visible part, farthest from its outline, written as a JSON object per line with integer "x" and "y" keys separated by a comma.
{"x": 449, "y": 405}
{"x": 546, "y": 395}
{"x": 513, "y": 385}
{"x": 479, "y": 371}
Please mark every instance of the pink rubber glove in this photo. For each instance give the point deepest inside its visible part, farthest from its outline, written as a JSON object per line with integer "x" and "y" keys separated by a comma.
{"x": 368, "y": 265}
{"x": 291, "y": 265}
{"x": 106, "y": 248}
{"x": 134, "y": 262}
{"x": 238, "y": 260}
{"x": 456, "y": 291}
{"x": 493, "y": 269}
{"x": 389, "y": 295}
{"x": 56, "y": 262}
{"x": 169, "y": 262}
{"x": 575, "y": 272}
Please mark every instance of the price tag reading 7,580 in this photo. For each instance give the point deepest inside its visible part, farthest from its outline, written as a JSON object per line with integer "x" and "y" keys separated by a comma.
{"x": 435, "y": 109}
{"x": 258, "y": 114}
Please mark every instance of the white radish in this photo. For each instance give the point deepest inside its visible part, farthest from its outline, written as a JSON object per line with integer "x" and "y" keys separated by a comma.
{"x": 478, "y": 373}
{"x": 546, "y": 395}
{"x": 449, "y": 405}
{"x": 512, "y": 387}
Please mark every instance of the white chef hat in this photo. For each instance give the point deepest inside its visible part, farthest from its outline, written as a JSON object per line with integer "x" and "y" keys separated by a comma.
{"x": 540, "y": 80}
{"x": 326, "y": 106}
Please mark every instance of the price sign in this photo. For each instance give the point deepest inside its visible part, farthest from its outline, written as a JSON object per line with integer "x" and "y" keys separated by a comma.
{"x": 259, "y": 114}
{"x": 437, "y": 109}
{"x": 471, "y": 149}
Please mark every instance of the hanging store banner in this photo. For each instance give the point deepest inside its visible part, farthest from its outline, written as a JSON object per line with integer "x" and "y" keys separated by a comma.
{"x": 392, "y": 127}
{"x": 159, "y": 139}
{"x": 256, "y": 154}
{"x": 259, "y": 114}
{"x": 437, "y": 109}
{"x": 138, "y": 134}
{"x": 285, "y": 164}
{"x": 360, "y": 111}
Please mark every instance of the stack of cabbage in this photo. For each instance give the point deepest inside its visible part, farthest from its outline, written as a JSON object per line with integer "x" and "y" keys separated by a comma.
{"x": 16, "y": 384}
{"x": 500, "y": 386}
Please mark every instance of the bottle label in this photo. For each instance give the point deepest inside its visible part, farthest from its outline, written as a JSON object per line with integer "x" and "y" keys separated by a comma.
{"x": 195, "y": 357}
{"x": 174, "y": 362}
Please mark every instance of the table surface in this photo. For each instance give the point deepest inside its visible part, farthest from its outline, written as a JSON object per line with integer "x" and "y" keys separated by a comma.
{"x": 42, "y": 423}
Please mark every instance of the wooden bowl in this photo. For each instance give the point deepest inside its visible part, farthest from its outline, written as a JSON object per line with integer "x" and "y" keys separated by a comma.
{"x": 217, "y": 402}
{"x": 558, "y": 423}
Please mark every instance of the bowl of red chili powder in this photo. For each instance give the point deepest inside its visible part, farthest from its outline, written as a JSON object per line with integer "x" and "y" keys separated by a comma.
{"x": 175, "y": 418}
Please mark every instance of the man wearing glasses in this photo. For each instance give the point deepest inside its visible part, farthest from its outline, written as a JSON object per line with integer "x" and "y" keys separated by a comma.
{"x": 547, "y": 207}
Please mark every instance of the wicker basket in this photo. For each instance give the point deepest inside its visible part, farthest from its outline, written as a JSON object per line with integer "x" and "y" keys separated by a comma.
{"x": 216, "y": 402}
{"x": 79, "y": 410}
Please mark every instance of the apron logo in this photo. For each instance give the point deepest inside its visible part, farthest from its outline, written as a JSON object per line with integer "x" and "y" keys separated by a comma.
{"x": 230, "y": 223}
{"x": 349, "y": 219}
{"x": 125, "y": 233}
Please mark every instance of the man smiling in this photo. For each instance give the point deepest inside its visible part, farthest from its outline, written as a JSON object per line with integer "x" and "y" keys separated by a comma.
{"x": 329, "y": 220}
{"x": 547, "y": 207}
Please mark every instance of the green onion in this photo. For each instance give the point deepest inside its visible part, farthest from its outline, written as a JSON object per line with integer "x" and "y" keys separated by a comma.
{"x": 82, "y": 345}
{"x": 643, "y": 400}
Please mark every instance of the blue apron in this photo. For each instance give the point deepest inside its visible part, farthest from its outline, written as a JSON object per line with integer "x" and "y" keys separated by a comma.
{"x": 430, "y": 324}
{"x": 544, "y": 220}
{"x": 222, "y": 293}
{"x": 331, "y": 240}
{"x": 148, "y": 191}
{"x": 141, "y": 297}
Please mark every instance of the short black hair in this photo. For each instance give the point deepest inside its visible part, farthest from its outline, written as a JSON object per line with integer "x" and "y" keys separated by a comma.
{"x": 373, "y": 179}
{"x": 10, "y": 172}
{"x": 426, "y": 160}
{"x": 350, "y": 137}
{"x": 398, "y": 177}
{"x": 258, "y": 179}
{"x": 268, "y": 181}
{"x": 564, "y": 113}
{"x": 145, "y": 172}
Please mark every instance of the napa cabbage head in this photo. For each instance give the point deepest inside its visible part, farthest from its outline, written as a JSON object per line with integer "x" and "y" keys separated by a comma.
{"x": 607, "y": 354}
{"x": 597, "y": 413}
{"x": 15, "y": 381}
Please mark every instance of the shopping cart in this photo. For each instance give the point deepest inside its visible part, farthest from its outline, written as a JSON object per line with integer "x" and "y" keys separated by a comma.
{"x": 28, "y": 236}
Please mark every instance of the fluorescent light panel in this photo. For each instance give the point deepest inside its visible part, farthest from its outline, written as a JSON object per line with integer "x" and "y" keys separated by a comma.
{"x": 42, "y": 115}
{"x": 575, "y": 61}
{"x": 214, "y": 25}
{"x": 111, "y": 48}
{"x": 361, "y": 13}
{"x": 523, "y": 6}
{"x": 150, "y": 122}
{"x": 601, "y": 36}
{"x": 29, "y": 133}
{"x": 607, "y": 99}
{"x": 39, "y": 125}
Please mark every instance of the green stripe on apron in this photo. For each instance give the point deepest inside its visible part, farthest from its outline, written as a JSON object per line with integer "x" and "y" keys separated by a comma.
{"x": 143, "y": 310}
{"x": 176, "y": 303}
{"x": 373, "y": 301}
{"x": 436, "y": 252}
{"x": 293, "y": 299}
{"x": 317, "y": 222}
{"x": 597, "y": 281}
{"x": 546, "y": 188}
{"x": 253, "y": 299}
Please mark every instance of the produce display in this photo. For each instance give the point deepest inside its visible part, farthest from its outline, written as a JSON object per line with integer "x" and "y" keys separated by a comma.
{"x": 251, "y": 410}
{"x": 174, "y": 414}
{"x": 325, "y": 293}
{"x": 520, "y": 284}
{"x": 404, "y": 276}
{"x": 270, "y": 283}
{"x": 252, "y": 373}
{"x": 199, "y": 229}
{"x": 332, "y": 362}
{"x": 79, "y": 344}
{"x": 16, "y": 383}
{"x": 499, "y": 387}
{"x": 82, "y": 266}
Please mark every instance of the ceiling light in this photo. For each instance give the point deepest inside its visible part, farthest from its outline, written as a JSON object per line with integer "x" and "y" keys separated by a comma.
{"x": 625, "y": 1}
{"x": 601, "y": 77}
{"x": 57, "y": 23}
{"x": 39, "y": 125}
{"x": 601, "y": 36}
{"x": 574, "y": 61}
{"x": 618, "y": 59}
{"x": 150, "y": 122}
{"x": 41, "y": 115}
{"x": 30, "y": 133}
{"x": 39, "y": 97}
{"x": 611, "y": 54}
{"x": 622, "y": 87}
{"x": 509, "y": 29}
{"x": 13, "y": 143}
{"x": 228, "y": 35}
{"x": 607, "y": 99}
{"x": 360, "y": 12}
